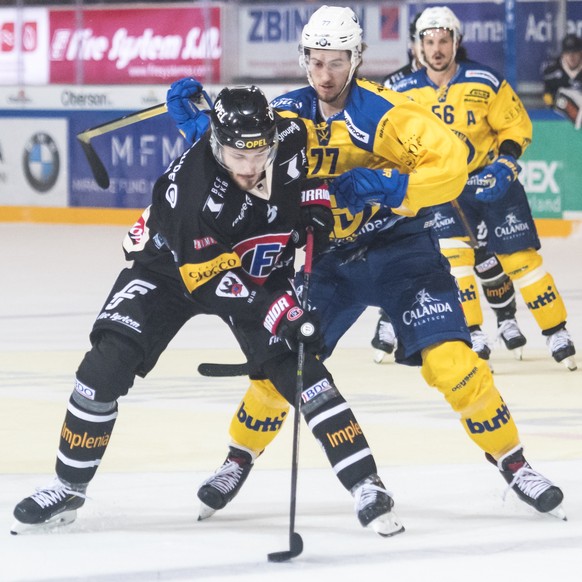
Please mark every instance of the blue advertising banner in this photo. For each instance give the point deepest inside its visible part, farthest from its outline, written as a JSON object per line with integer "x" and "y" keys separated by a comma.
{"x": 133, "y": 156}
{"x": 536, "y": 34}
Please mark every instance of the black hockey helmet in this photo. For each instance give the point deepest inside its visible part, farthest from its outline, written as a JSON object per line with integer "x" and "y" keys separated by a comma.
{"x": 243, "y": 119}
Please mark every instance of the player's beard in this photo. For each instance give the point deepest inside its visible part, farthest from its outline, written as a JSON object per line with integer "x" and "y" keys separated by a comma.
{"x": 335, "y": 98}
{"x": 247, "y": 182}
{"x": 442, "y": 65}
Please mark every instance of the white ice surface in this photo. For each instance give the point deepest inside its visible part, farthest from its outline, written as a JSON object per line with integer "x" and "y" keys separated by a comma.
{"x": 140, "y": 521}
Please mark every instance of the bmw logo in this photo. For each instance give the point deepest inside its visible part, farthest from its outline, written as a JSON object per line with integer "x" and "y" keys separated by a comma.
{"x": 41, "y": 162}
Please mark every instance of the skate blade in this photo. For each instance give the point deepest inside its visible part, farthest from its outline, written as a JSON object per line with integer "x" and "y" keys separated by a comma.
{"x": 379, "y": 356}
{"x": 60, "y": 520}
{"x": 518, "y": 353}
{"x": 387, "y": 525}
{"x": 205, "y": 511}
{"x": 570, "y": 363}
{"x": 559, "y": 513}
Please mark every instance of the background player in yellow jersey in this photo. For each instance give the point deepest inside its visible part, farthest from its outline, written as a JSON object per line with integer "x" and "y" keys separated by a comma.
{"x": 486, "y": 114}
{"x": 389, "y": 159}
{"x": 497, "y": 287}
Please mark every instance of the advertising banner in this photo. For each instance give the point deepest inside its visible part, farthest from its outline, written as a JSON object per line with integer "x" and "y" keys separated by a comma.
{"x": 151, "y": 44}
{"x": 134, "y": 157}
{"x": 536, "y": 32}
{"x": 269, "y": 36}
{"x": 23, "y": 46}
{"x": 551, "y": 170}
{"x": 81, "y": 97}
{"x": 33, "y": 162}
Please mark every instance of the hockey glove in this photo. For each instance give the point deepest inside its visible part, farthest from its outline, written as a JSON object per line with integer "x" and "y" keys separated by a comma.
{"x": 359, "y": 187}
{"x": 315, "y": 212}
{"x": 287, "y": 320}
{"x": 191, "y": 122}
{"x": 494, "y": 180}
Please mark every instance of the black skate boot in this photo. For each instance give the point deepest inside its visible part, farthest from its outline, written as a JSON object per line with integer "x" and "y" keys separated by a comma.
{"x": 221, "y": 488}
{"x": 530, "y": 486}
{"x": 562, "y": 348}
{"x": 384, "y": 341}
{"x": 51, "y": 506}
{"x": 374, "y": 505}
{"x": 508, "y": 331}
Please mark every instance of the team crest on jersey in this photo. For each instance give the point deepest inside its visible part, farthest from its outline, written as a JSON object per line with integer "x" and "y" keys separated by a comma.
{"x": 323, "y": 132}
{"x": 261, "y": 254}
{"x": 231, "y": 286}
{"x": 425, "y": 309}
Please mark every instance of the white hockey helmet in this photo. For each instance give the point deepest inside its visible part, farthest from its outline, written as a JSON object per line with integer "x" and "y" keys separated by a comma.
{"x": 333, "y": 28}
{"x": 437, "y": 17}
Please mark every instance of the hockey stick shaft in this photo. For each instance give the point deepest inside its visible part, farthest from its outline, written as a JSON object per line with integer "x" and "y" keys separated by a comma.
{"x": 97, "y": 168}
{"x": 295, "y": 541}
{"x": 88, "y": 134}
{"x": 468, "y": 230}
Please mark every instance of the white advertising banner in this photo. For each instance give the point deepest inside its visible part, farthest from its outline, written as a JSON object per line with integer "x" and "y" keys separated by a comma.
{"x": 23, "y": 46}
{"x": 34, "y": 163}
{"x": 269, "y": 37}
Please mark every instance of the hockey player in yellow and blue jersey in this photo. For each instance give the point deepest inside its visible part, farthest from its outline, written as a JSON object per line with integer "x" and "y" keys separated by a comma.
{"x": 497, "y": 287}
{"x": 387, "y": 160}
{"x": 486, "y": 114}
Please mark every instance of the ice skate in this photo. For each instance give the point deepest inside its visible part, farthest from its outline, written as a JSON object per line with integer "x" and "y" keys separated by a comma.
{"x": 530, "y": 486}
{"x": 222, "y": 487}
{"x": 480, "y": 342}
{"x": 508, "y": 331}
{"x": 374, "y": 505}
{"x": 384, "y": 341}
{"x": 52, "y": 506}
{"x": 562, "y": 348}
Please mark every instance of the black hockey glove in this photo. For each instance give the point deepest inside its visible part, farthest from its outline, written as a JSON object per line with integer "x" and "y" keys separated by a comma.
{"x": 315, "y": 212}
{"x": 287, "y": 320}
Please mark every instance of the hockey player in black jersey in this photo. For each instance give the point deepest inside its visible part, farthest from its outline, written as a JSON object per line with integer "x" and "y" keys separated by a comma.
{"x": 388, "y": 160}
{"x": 218, "y": 238}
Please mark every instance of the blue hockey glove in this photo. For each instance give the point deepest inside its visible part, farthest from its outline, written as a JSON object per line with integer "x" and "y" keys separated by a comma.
{"x": 494, "y": 180}
{"x": 360, "y": 187}
{"x": 191, "y": 122}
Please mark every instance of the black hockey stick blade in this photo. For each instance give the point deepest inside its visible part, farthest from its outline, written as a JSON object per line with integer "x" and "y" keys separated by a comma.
{"x": 295, "y": 548}
{"x": 223, "y": 370}
{"x": 97, "y": 168}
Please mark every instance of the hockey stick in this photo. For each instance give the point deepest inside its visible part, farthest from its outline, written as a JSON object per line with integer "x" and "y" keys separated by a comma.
{"x": 295, "y": 540}
{"x": 97, "y": 168}
{"x": 472, "y": 240}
